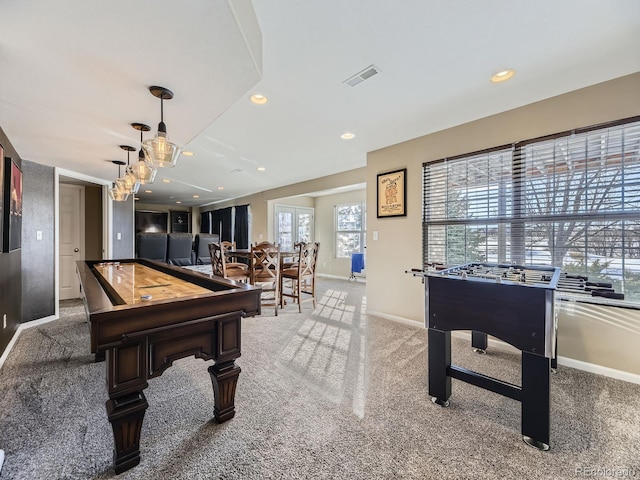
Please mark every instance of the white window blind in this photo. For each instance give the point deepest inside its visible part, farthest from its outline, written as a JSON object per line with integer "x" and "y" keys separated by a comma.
{"x": 570, "y": 200}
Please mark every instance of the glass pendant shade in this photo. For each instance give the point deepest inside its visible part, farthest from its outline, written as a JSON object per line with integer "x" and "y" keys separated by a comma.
{"x": 117, "y": 193}
{"x": 160, "y": 152}
{"x": 144, "y": 171}
{"x": 131, "y": 180}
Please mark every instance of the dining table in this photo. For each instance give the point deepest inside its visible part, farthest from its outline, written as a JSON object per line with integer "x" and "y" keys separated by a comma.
{"x": 245, "y": 253}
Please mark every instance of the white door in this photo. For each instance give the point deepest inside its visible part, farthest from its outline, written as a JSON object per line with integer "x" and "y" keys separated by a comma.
{"x": 71, "y": 239}
{"x": 284, "y": 228}
{"x": 293, "y": 224}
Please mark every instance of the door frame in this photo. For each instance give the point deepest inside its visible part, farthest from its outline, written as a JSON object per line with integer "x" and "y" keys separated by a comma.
{"x": 107, "y": 215}
{"x": 81, "y": 214}
{"x": 294, "y": 227}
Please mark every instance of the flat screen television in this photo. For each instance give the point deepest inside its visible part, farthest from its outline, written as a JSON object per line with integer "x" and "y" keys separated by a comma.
{"x": 151, "y": 222}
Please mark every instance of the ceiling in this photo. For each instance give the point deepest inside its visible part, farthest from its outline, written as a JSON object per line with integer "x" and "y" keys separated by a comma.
{"x": 75, "y": 77}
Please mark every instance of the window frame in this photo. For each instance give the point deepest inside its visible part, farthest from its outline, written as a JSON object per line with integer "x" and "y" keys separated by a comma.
{"x": 362, "y": 232}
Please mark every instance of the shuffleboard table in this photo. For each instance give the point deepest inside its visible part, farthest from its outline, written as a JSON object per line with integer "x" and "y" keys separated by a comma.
{"x": 143, "y": 315}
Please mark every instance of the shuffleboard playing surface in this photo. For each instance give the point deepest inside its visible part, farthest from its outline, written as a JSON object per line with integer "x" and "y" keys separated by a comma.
{"x": 136, "y": 283}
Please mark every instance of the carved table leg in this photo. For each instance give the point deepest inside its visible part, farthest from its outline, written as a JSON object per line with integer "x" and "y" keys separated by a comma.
{"x": 224, "y": 377}
{"x": 126, "y": 415}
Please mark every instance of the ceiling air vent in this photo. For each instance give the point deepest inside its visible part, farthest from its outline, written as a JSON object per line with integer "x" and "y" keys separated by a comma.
{"x": 360, "y": 77}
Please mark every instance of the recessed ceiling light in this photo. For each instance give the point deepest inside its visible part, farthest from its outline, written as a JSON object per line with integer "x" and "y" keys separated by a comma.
{"x": 347, "y": 136}
{"x": 258, "y": 99}
{"x": 196, "y": 196}
{"x": 178, "y": 201}
{"x": 503, "y": 76}
{"x": 220, "y": 188}
{"x": 148, "y": 191}
{"x": 261, "y": 169}
{"x": 136, "y": 198}
{"x": 187, "y": 153}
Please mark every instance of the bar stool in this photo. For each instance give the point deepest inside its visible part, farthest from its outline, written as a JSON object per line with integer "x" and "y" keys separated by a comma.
{"x": 265, "y": 272}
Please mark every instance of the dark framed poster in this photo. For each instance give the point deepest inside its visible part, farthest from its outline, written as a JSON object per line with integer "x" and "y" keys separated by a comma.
{"x": 392, "y": 194}
{"x": 13, "y": 206}
{"x": 1, "y": 199}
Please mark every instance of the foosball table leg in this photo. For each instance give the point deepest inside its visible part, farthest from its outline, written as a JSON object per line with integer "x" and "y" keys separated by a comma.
{"x": 535, "y": 400}
{"x": 479, "y": 341}
{"x": 554, "y": 360}
{"x": 439, "y": 362}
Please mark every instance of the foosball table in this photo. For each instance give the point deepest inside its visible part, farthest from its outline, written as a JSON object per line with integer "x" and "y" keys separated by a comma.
{"x": 515, "y": 304}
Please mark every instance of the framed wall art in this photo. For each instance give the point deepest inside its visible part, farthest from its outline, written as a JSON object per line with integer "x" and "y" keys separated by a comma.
{"x": 13, "y": 206}
{"x": 392, "y": 194}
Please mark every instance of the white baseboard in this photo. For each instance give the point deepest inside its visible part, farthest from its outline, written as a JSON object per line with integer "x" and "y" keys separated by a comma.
{"x": 395, "y": 318}
{"x": 35, "y": 323}
{"x": 494, "y": 342}
{"x": 599, "y": 369}
{"x": 21, "y": 327}
{"x": 9, "y": 346}
{"x": 328, "y": 275}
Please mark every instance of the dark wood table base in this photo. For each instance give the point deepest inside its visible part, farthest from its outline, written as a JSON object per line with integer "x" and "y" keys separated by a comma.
{"x": 147, "y": 354}
{"x": 143, "y": 316}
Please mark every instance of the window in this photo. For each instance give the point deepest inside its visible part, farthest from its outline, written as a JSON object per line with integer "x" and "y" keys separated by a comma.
{"x": 350, "y": 229}
{"x": 571, "y": 200}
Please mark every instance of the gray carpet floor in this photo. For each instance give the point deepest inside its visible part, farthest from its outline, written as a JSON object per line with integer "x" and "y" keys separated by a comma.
{"x": 331, "y": 393}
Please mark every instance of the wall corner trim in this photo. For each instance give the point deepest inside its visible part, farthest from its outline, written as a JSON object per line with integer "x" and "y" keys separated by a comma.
{"x": 21, "y": 327}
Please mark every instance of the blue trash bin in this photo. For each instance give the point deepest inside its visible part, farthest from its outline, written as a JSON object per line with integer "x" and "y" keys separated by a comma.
{"x": 357, "y": 264}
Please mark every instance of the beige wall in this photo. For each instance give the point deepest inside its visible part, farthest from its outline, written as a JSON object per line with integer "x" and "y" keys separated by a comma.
{"x": 299, "y": 201}
{"x": 93, "y": 223}
{"x": 392, "y": 292}
{"x": 259, "y": 203}
{"x": 325, "y": 232}
{"x": 262, "y": 205}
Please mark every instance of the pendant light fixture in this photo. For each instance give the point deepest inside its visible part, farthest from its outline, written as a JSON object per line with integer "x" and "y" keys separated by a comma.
{"x": 118, "y": 192}
{"x": 130, "y": 180}
{"x": 144, "y": 171}
{"x": 160, "y": 151}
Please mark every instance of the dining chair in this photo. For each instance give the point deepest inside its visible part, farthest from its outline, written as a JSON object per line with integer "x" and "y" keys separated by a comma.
{"x": 265, "y": 272}
{"x": 220, "y": 268}
{"x": 300, "y": 278}
{"x": 227, "y": 248}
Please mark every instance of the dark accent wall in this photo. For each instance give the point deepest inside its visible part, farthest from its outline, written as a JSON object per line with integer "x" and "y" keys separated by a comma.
{"x": 93, "y": 223}
{"x": 123, "y": 225}
{"x": 38, "y": 256}
{"x": 10, "y": 272}
{"x": 27, "y": 276}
